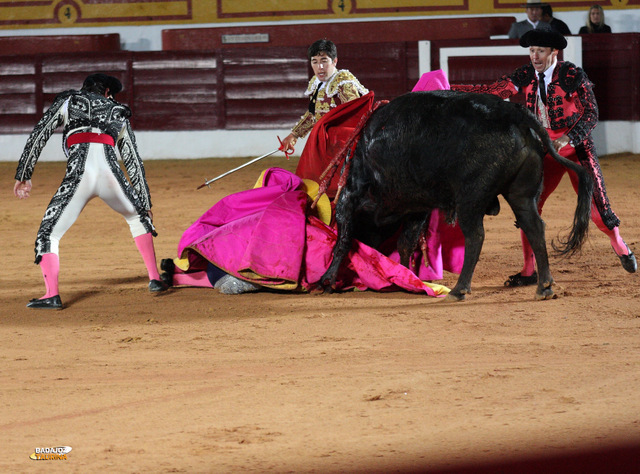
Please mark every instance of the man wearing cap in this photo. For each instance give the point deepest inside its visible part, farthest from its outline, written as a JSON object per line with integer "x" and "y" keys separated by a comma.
{"x": 94, "y": 125}
{"x": 533, "y": 21}
{"x": 561, "y": 95}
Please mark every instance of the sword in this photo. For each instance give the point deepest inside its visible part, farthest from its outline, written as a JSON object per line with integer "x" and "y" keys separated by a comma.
{"x": 207, "y": 183}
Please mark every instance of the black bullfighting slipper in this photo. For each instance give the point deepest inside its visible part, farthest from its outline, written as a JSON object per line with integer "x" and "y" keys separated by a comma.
{"x": 167, "y": 278}
{"x": 629, "y": 262}
{"x": 156, "y": 286}
{"x": 167, "y": 265}
{"x": 54, "y": 302}
{"x": 520, "y": 280}
{"x": 169, "y": 268}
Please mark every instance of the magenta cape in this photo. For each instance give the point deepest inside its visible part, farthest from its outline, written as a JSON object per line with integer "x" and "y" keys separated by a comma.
{"x": 266, "y": 236}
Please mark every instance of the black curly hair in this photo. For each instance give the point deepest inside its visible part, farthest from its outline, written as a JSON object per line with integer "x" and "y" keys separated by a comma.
{"x": 323, "y": 46}
{"x": 99, "y": 83}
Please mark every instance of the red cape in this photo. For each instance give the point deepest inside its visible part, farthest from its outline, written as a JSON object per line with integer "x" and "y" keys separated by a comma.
{"x": 329, "y": 136}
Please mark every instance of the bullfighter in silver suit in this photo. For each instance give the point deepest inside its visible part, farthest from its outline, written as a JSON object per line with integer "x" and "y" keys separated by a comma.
{"x": 94, "y": 125}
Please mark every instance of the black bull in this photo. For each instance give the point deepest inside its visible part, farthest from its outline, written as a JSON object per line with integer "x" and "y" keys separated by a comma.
{"x": 457, "y": 152}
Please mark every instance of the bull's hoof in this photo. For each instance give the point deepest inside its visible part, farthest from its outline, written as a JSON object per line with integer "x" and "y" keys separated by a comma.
{"x": 325, "y": 286}
{"x": 455, "y": 297}
{"x": 545, "y": 293}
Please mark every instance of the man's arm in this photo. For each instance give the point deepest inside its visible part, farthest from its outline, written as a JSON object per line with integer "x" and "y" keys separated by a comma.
{"x": 589, "y": 119}
{"x": 304, "y": 125}
{"x": 133, "y": 163}
{"x": 52, "y": 119}
{"x": 503, "y": 88}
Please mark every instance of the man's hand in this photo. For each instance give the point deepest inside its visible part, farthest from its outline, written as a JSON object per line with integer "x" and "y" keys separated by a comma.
{"x": 22, "y": 189}
{"x": 288, "y": 143}
{"x": 560, "y": 142}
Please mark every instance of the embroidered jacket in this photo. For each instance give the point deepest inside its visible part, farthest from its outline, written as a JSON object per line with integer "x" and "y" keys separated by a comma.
{"x": 571, "y": 109}
{"x": 81, "y": 111}
{"x": 571, "y": 104}
{"x": 341, "y": 87}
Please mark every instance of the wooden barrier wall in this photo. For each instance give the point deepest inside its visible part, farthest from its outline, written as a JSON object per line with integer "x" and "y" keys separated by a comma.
{"x": 613, "y": 65}
{"x": 198, "y": 90}
{"x": 256, "y": 88}
{"x": 339, "y": 32}
{"x": 21, "y": 45}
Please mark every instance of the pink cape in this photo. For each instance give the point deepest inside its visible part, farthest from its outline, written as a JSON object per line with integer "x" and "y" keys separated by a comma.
{"x": 266, "y": 236}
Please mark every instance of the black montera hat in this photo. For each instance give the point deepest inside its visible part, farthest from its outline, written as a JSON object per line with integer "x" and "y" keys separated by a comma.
{"x": 544, "y": 38}
{"x": 110, "y": 82}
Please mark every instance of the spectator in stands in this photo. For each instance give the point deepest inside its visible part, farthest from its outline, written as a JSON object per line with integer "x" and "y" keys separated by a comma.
{"x": 557, "y": 25}
{"x": 561, "y": 96}
{"x": 328, "y": 88}
{"x": 533, "y": 21}
{"x": 595, "y": 22}
{"x": 94, "y": 124}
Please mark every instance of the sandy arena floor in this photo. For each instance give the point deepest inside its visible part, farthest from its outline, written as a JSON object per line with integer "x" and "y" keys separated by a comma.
{"x": 195, "y": 381}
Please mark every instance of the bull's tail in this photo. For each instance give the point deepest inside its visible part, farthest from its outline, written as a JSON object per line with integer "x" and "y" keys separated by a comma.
{"x": 582, "y": 216}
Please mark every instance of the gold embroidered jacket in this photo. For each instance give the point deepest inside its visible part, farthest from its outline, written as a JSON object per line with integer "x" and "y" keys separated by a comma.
{"x": 341, "y": 87}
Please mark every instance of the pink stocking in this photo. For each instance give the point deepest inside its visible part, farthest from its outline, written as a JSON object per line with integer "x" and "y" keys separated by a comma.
{"x": 619, "y": 246}
{"x": 200, "y": 279}
{"x": 617, "y": 243}
{"x": 50, "y": 267}
{"x": 145, "y": 247}
{"x": 529, "y": 265}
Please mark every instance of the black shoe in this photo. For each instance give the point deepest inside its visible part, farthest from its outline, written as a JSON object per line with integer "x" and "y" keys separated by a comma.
{"x": 169, "y": 268}
{"x": 519, "y": 280}
{"x": 167, "y": 278}
{"x": 156, "y": 286}
{"x": 53, "y": 302}
{"x": 629, "y": 262}
{"x": 167, "y": 265}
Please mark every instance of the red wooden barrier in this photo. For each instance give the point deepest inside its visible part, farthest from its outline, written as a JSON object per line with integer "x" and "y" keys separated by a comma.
{"x": 339, "y": 32}
{"x": 254, "y": 88}
{"x": 612, "y": 62}
{"x": 198, "y": 90}
{"x": 21, "y": 45}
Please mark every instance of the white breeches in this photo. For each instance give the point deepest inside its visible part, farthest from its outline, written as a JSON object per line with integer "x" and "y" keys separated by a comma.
{"x": 97, "y": 181}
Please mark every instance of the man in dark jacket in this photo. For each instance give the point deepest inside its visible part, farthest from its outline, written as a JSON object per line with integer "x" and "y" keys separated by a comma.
{"x": 533, "y": 20}
{"x": 557, "y": 25}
